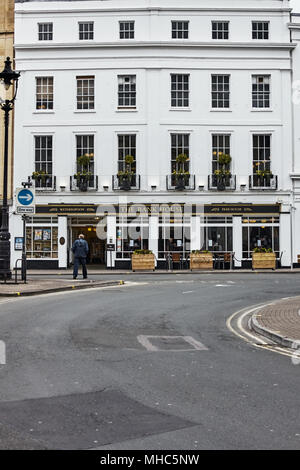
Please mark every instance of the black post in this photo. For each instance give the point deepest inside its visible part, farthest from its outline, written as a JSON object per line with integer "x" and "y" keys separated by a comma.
{"x": 7, "y": 77}
{"x": 24, "y": 258}
{"x": 5, "y": 272}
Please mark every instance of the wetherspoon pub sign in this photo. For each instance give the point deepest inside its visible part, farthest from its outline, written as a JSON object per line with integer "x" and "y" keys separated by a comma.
{"x": 156, "y": 209}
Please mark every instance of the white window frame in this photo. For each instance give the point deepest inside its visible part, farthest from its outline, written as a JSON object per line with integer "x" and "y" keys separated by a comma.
{"x": 89, "y": 98}
{"x": 218, "y": 31}
{"x": 87, "y": 32}
{"x": 265, "y": 94}
{"x": 128, "y": 82}
{"x": 175, "y": 30}
{"x": 127, "y": 32}
{"x": 179, "y": 93}
{"x": 220, "y": 89}
{"x": 44, "y": 84}
{"x": 263, "y": 31}
{"x": 44, "y": 33}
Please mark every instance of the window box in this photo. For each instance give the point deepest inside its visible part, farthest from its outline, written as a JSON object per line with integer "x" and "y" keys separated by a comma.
{"x": 126, "y": 182}
{"x": 225, "y": 183}
{"x": 263, "y": 182}
{"x": 264, "y": 260}
{"x": 180, "y": 182}
{"x": 143, "y": 262}
{"x": 46, "y": 183}
{"x": 201, "y": 260}
{"x": 83, "y": 183}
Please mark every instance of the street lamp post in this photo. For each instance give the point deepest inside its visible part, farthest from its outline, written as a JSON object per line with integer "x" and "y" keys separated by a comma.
{"x": 8, "y": 77}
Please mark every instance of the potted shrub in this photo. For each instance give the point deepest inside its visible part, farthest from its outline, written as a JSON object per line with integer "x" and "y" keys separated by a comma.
{"x": 125, "y": 176}
{"x": 180, "y": 174}
{"x": 143, "y": 260}
{"x": 223, "y": 173}
{"x": 83, "y": 174}
{"x": 42, "y": 177}
{"x": 264, "y": 177}
{"x": 263, "y": 258}
{"x": 201, "y": 259}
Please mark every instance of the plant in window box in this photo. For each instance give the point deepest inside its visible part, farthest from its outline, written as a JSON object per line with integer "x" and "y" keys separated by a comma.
{"x": 41, "y": 177}
{"x": 143, "y": 260}
{"x": 223, "y": 173}
{"x": 180, "y": 174}
{"x": 201, "y": 259}
{"x": 83, "y": 174}
{"x": 263, "y": 258}
{"x": 264, "y": 177}
{"x": 125, "y": 177}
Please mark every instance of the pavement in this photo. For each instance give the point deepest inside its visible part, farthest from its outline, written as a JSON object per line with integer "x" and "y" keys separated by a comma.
{"x": 280, "y": 322}
{"x": 44, "y": 286}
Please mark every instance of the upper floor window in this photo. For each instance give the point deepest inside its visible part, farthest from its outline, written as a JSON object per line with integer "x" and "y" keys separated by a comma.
{"x": 86, "y": 30}
{"x": 220, "y": 91}
{"x": 85, "y": 154}
{"x": 43, "y": 161}
{"x": 126, "y": 29}
{"x": 260, "y": 30}
{"x": 220, "y": 29}
{"x": 179, "y": 90}
{"x": 127, "y": 91}
{"x": 180, "y": 29}
{"x": 44, "y": 92}
{"x": 85, "y": 92}
{"x": 45, "y": 31}
{"x": 261, "y": 153}
{"x": 261, "y": 91}
{"x": 180, "y": 147}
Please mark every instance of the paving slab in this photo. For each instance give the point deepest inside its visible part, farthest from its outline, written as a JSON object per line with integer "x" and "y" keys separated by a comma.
{"x": 280, "y": 322}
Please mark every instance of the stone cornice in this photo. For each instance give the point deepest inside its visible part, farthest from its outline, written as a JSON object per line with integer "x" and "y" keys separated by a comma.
{"x": 157, "y": 44}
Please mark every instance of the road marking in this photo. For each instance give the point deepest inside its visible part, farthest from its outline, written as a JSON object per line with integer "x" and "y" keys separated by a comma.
{"x": 144, "y": 340}
{"x": 188, "y": 292}
{"x": 250, "y": 338}
{"x": 222, "y": 285}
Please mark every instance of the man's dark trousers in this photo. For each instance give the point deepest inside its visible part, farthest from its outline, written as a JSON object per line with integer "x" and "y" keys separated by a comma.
{"x": 77, "y": 261}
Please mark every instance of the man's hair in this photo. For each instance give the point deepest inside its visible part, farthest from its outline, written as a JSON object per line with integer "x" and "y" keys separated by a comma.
{"x": 81, "y": 235}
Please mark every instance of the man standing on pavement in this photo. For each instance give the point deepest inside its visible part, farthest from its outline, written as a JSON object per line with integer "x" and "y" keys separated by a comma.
{"x": 80, "y": 249}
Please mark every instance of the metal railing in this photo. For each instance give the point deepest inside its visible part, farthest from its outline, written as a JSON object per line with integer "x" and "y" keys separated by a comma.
{"x": 181, "y": 182}
{"x": 89, "y": 183}
{"x": 123, "y": 183}
{"x": 263, "y": 182}
{"x": 227, "y": 183}
{"x": 43, "y": 184}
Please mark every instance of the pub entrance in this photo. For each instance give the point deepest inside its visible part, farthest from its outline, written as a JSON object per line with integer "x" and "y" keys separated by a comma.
{"x": 97, "y": 248}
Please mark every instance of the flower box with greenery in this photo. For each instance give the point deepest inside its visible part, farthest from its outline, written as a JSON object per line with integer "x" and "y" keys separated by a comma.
{"x": 201, "y": 259}
{"x": 41, "y": 178}
{"x": 263, "y": 258}
{"x": 181, "y": 175}
{"x": 142, "y": 260}
{"x": 126, "y": 177}
{"x": 84, "y": 175}
{"x": 223, "y": 173}
{"x": 262, "y": 174}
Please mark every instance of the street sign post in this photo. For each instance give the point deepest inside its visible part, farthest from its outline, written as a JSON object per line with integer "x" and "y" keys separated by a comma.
{"x": 25, "y": 201}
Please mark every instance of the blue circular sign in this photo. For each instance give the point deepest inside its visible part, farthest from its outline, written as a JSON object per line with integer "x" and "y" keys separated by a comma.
{"x": 25, "y": 197}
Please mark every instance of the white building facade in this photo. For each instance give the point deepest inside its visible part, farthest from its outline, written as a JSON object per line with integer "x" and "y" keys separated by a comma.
{"x": 128, "y": 107}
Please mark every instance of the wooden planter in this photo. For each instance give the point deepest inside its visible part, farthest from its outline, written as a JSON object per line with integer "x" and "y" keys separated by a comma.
{"x": 201, "y": 261}
{"x": 263, "y": 261}
{"x": 143, "y": 262}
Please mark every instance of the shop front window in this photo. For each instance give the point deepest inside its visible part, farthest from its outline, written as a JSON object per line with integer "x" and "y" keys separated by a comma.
{"x": 131, "y": 237}
{"x": 260, "y": 233}
{"x": 41, "y": 242}
{"x": 174, "y": 238}
{"x": 217, "y": 239}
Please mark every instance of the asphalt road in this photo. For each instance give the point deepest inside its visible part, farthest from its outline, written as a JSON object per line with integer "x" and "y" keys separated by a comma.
{"x": 98, "y": 369}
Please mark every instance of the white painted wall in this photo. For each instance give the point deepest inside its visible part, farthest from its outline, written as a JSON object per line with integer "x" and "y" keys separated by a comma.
{"x": 152, "y": 57}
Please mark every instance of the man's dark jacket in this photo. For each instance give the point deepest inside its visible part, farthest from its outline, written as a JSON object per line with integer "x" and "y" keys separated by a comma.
{"x": 80, "y": 248}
